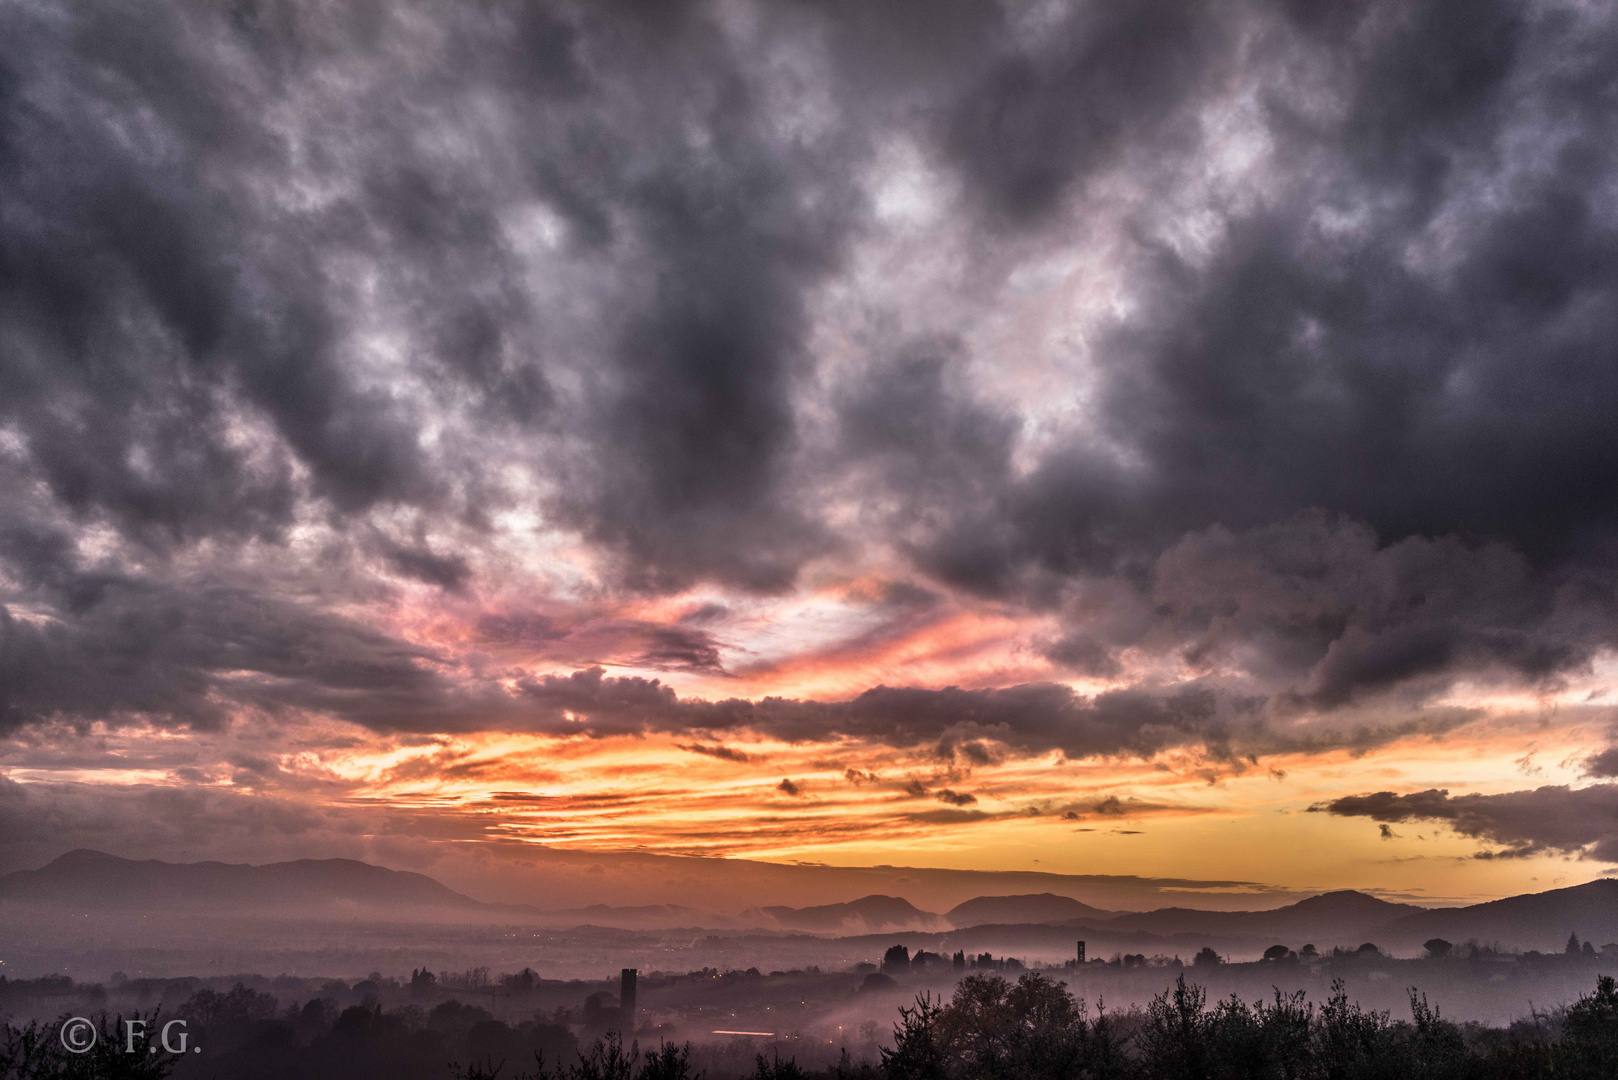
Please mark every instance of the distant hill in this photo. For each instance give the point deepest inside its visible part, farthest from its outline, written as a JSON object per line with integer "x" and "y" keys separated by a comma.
{"x": 865, "y": 915}
{"x": 1530, "y": 921}
{"x": 95, "y": 881}
{"x": 1027, "y": 908}
{"x": 1328, "y": 919}
{"x": 87, "y": 882}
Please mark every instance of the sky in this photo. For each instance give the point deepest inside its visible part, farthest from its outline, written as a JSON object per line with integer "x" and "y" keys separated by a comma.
{"x": 1169, "y": 439}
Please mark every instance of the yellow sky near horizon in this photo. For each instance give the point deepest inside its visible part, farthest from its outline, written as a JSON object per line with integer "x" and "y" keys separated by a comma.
{"x": 853, "y": 803}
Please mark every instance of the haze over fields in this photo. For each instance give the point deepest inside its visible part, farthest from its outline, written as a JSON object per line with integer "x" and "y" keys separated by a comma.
{"x": 90, "y": 914}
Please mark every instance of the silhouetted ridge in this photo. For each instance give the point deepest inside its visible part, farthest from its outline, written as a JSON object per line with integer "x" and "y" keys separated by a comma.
{"x": 875, "y": 912}
{"x": 1536, "y": 920}
{"x": 94, "y": 880}
{"x": 1025, "y": 908}
{"x": 1334, "y": 916}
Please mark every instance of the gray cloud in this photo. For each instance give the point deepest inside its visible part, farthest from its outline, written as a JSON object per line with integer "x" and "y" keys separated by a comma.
{"x": 1320, "y": 612}
{"x": 1570, "y": 821}
{"x": 1033, "y": 718}
{"x": 128, "y": 648}
{"x": 192, "y": 657}
{"x": 1360, "y": 368}
{"x": 116, "y": 647}
{"x": 203, "y": 205}
{"x": 1345, "y": 343}
{"x": 1603, "y": 764}
{"x": 679, "y": 648}
{"x": 723, "y": 753}
{"x": 446, "y": 571}
{"x": 1045, "y": 115}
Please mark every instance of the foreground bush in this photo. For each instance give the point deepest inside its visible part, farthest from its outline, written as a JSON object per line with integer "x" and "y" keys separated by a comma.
{"x": 36, "y": 1052}
{"x": 994, "y": 1030}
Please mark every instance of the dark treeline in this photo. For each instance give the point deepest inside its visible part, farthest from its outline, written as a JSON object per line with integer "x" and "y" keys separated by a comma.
{"x": 991, "y": 1029}
{"x": 244, "y": 1036}
{"x": 1035, "y": 1029}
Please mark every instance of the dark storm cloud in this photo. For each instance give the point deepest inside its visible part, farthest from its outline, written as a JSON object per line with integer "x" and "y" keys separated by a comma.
{"x": 595, "y": 700}
{"x": 133, "y": 649}
{"x": 243, "y": 272}
{"x": 1411, "y": 327}
{"x": 583, "y": 636}
{"x": 1320, "y": 610}
{"x": 386, "y": 272}
{"x": 1104, "y": 79}
{"x": 1570, "y": 821}
{"x": 447, "y": 571}
{"x": 1308, "y": 365}
{"x": 910, "y": 415}
{"x": 152, "y": 304}
{"x": 910, "y": 421}
{"x": 115, "y": 647}
{"x": 697, "y": 432}
{"x": 207, "y": 235}
{"x": 130, "y": 649}
{"x": 1034, "y": 718}
{"x": 198, "y": 656}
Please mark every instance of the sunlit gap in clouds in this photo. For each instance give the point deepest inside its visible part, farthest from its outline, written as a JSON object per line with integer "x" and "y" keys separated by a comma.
{"x": 847, "y": 799}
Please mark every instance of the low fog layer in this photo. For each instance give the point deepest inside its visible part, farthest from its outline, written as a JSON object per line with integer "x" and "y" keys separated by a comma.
{"x": 95, "y": 918}
{"x": 814, "y": 1013}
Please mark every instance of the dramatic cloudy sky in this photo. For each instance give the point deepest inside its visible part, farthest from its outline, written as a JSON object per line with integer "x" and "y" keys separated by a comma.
{"x": 1163, "y": 438}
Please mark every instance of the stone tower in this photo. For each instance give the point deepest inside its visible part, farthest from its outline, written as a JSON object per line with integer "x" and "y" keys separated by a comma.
{"x": 626, "y": 1001}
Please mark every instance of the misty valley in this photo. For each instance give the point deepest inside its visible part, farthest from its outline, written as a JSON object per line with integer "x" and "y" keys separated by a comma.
{"x": 1134, "y": 1017}
{"x": 334, "y": 968}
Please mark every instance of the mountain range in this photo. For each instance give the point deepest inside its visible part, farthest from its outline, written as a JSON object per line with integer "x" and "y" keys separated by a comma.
{"x": 313, "y": 889}
{"x": 1330, "y": 914}
{"x": 96, "y": 881}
